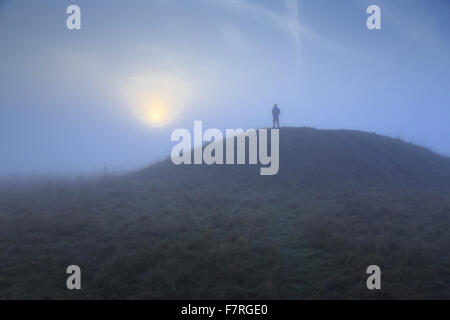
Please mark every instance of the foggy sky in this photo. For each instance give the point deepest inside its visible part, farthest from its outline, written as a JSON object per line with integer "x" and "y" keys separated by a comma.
{"x": 68, "y": 97}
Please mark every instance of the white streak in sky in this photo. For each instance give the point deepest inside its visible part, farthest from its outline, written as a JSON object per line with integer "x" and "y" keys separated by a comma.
{"x": 292, "y": 7}
{"x": 288, "y": 23}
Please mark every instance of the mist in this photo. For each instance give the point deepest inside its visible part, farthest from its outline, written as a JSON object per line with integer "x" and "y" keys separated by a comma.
{"x": 71, "y": 100}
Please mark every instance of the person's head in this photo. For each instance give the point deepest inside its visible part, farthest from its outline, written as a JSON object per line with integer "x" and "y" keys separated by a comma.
{"x": 275, "y": 105}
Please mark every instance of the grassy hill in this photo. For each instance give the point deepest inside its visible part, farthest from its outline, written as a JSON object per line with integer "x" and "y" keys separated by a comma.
{"x": 343, "y": 200}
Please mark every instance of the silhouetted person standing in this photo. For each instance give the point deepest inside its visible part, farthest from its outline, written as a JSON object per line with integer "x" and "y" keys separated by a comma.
{"x": 276, "y": 117}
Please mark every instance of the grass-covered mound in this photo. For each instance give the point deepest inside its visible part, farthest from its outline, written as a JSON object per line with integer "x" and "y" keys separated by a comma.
{"x": 343, "y": 200}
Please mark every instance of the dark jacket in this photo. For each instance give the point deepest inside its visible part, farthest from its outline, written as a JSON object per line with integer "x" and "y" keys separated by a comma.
{"x": 276, "y": 112}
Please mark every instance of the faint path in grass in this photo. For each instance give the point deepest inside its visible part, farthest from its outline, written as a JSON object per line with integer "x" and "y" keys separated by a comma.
{"x": 298, "y": 262}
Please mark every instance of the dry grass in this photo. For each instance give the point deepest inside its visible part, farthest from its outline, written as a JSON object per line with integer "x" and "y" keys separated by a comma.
{"x": 222, "y": 232}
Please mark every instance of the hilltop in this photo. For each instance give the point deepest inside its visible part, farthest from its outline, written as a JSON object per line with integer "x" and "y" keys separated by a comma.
{"x": 327, "y": 159}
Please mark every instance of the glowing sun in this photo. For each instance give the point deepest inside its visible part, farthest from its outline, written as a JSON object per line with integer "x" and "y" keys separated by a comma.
{"x": 156, "y": 100}
{"x": 156, "y": 112}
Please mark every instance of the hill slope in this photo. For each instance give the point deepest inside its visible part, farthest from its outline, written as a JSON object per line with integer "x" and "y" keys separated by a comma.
{"x": 342, "y": 200}
{"x": 327, "y": 159}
